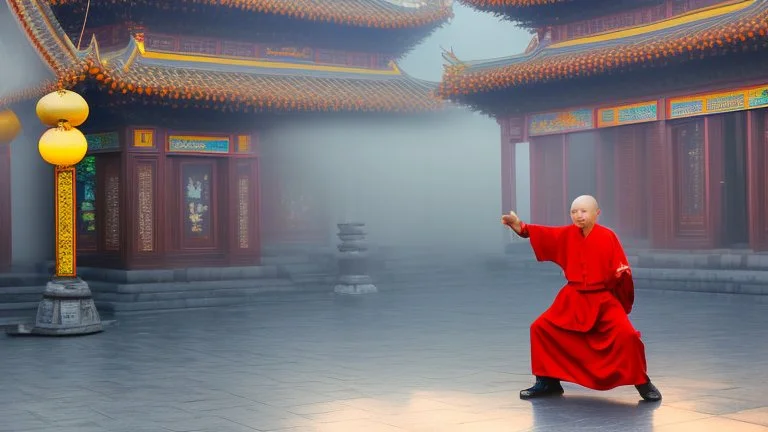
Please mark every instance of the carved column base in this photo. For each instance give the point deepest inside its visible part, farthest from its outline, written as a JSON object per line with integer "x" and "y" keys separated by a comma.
{"x": 67, "y": 309}
{"x": 355, "y": 284}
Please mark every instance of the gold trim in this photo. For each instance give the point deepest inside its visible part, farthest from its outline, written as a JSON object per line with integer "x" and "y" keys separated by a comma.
{"x": 266, "y": 64}
{"x": 693, "y": 16}
{"x": 65, "y": 222}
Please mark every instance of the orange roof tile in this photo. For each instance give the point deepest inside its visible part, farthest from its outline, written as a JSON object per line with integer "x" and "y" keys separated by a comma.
{"x": 359, "y": 13}
{"x": 710, "y": 32}
{"x": 181, "y": 79}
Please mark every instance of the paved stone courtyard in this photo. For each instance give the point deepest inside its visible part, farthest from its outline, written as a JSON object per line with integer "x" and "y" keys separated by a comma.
{"x": 445, "y": 355}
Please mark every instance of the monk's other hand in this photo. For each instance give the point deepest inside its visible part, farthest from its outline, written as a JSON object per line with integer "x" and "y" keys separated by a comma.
{"x": 621, "y": 269}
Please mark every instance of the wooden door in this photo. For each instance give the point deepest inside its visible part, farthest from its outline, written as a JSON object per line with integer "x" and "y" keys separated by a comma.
{"x": 690, "y": 185}
{"x": 196, "y": 214}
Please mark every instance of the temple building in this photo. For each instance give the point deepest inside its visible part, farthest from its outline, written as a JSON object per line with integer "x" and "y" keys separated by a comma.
{"x": 181, "y": 95}
{"x": 179, "y": 92}
{"x": 657, "y": 107}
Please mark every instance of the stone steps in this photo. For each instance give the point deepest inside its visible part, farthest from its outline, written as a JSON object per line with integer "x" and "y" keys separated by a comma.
{"x": 20, "y": 293}
{"x": 714, "y": 260}
{"x": 145, "y": 297}
{"x": 751, "y": 282}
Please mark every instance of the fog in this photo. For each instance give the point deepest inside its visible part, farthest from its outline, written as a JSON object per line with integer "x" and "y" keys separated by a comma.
{"x": 32, "y": 209}
{"x": 416, "y": 181}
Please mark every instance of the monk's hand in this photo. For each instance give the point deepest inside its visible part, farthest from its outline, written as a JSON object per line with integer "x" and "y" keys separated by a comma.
{"x": 622, "y": 269}
{"x": 513, "y": 221}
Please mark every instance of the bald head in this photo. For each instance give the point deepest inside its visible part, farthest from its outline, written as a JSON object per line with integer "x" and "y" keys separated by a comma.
{"x": 585, "y": 201}
{"x": 584, "y": 212}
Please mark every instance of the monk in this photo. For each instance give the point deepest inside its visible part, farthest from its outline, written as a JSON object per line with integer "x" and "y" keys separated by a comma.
{"x": 585, "y": 337}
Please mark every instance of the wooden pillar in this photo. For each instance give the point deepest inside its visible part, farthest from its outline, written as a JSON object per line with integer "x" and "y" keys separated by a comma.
{"x": 661, "y": 182}
{"x": 6, "y": 233}
{"x": 244, "y": 244}
{"x": 144, "y": 237}
{"x": 631, "y": 179}
{"x": 757, "y": 179}
{"x": 511, "y": 134}
{"x": 715, "y": 179}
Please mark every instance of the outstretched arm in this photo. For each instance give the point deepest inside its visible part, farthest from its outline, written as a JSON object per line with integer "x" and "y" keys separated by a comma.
{"x": 548, "y": 243}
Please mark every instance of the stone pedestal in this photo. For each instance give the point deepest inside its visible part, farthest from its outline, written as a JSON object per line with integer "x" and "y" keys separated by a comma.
{"x": 353, "y": 261}
{"x": 67, "y": 309}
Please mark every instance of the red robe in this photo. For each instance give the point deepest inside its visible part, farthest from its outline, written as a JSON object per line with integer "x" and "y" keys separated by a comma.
{"x": 586, "y": 337}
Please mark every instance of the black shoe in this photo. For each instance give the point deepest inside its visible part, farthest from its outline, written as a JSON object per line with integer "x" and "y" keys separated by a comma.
{"x": 649, "y": 392}
{"x": 543, "y": 387}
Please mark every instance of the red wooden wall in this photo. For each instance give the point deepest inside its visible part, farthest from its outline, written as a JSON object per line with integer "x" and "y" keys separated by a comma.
{"x": 143, "y": 217}
{"x": 631, "y": 180}
{"x": 757, "y": 178}
{"x": 548, "y": 174}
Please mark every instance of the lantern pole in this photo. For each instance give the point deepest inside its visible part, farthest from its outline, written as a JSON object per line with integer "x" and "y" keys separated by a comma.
{"x": 66, "y": 238}
{"x": 67, "y": 306}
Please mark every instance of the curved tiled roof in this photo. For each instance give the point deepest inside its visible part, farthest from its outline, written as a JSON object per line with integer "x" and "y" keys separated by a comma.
{"x": 207, "y": 82}
{"x": 359, "y": 13}
{"x": 710, "y": 32}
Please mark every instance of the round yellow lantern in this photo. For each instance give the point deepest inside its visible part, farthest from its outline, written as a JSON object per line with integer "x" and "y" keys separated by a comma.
{"x": 62, "y": 146}
{"x": 10, "y": 126}
{"x": 62, "y": 106}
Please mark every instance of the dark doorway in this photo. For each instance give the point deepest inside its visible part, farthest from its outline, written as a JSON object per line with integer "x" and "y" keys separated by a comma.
{"x": 734, "y": 227}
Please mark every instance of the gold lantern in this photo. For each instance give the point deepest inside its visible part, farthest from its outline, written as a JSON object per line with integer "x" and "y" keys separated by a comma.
{"x": 9, "y": 127}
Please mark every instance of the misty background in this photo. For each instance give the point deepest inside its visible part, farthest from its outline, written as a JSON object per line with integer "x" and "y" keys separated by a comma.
{"x": 428, "y": 180}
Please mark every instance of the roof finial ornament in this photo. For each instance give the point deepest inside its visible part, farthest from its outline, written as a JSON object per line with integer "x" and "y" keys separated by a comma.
{"x": 450, "y": 57}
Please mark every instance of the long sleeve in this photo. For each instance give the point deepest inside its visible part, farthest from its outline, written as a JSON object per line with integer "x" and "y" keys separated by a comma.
{"x": 548, "y": 243}
{"x": 623, "y": 285}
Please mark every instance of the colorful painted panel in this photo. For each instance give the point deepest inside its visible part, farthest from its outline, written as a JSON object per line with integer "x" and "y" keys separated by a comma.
{"x": 143, "y": 138}
{"x": 243, "y": 143}
{"x": 628, "y": 114}
{"x": 736, "y": 100}
{"x": 197, "y": 200}
{"x": 85, "y": 173}
{"x": 561, "y": 122}
{"x": 197, "y": 144}
{"x": 758, "y": 97}
{"x": 103, "y": 141}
